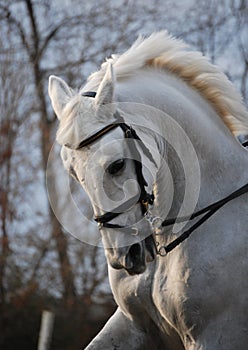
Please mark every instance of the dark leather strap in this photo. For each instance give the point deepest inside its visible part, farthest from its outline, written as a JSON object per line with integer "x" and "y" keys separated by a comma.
{"x": 96, "y": 136}
{"x": 89, "y": 94}
{"x": 208, "y": 211}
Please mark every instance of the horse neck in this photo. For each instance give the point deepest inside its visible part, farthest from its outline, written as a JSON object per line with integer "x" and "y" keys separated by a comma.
{"x": 223, "y": 164}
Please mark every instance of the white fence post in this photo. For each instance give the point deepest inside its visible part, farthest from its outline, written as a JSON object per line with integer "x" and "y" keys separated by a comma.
{"x": 46, "y": 330}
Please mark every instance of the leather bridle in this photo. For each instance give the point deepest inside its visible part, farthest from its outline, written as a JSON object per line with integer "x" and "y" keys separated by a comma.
{"x": 145, "y": 199}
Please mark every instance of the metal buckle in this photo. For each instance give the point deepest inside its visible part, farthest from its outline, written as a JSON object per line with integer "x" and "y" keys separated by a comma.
{"x": 155, "y": 222}
{"x": 128, "y": 133}
{"x": 135, "y": 231}
{"x": 145, "y": 204}
{"x": 162, "y": 251}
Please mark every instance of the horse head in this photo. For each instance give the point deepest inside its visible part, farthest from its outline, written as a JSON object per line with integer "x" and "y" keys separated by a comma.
{"x": 104, "y": 155}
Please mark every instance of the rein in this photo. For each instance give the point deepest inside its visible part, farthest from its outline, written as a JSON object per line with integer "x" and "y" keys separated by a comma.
{"x": 208, "y": 211}
{"x": 145, "y": 199}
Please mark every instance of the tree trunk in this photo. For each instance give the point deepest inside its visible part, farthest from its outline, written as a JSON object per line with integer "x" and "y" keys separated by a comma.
{"x": 66, "y": 273}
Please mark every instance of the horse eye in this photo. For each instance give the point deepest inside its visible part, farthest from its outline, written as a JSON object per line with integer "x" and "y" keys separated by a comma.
{"x": 115, "y": 167}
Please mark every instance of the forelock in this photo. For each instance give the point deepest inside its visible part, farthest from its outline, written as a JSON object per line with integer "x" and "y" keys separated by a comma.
{"x": 74, "y": 118}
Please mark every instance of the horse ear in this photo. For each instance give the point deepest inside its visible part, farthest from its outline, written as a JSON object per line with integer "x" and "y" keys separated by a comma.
{"x": 105, "y": 92}
{"x": 60, "y": 94}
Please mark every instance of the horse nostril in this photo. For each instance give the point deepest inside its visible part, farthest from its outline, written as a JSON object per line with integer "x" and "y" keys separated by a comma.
{"x": 136, "y": 259}
{"x": 116, "y": 265}
{"x": 132, "y": 259}
{"x": 134, "y": 251}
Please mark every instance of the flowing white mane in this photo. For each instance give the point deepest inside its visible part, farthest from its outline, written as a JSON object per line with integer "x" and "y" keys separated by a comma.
{"x": 160, "y": 50}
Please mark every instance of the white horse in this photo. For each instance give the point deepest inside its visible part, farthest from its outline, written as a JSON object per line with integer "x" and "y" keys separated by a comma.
{"x": 180, "y": 156}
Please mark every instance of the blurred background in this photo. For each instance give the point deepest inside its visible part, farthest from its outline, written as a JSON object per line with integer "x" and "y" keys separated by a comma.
{"x": 43, "y": 267}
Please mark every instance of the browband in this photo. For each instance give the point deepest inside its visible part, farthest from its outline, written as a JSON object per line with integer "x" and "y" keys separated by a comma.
{"x": 97, "y": 135}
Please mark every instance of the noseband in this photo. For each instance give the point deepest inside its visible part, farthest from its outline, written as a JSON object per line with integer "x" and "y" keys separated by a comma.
{"x": 145, "y": 199}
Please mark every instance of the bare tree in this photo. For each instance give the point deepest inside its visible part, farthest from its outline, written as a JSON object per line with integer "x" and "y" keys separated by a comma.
{"x": 11, "y": 117}
{"x": 239, "y": 10}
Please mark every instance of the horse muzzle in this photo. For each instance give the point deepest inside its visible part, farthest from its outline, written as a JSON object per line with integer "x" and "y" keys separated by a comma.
{"x": 133, "y": 258}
